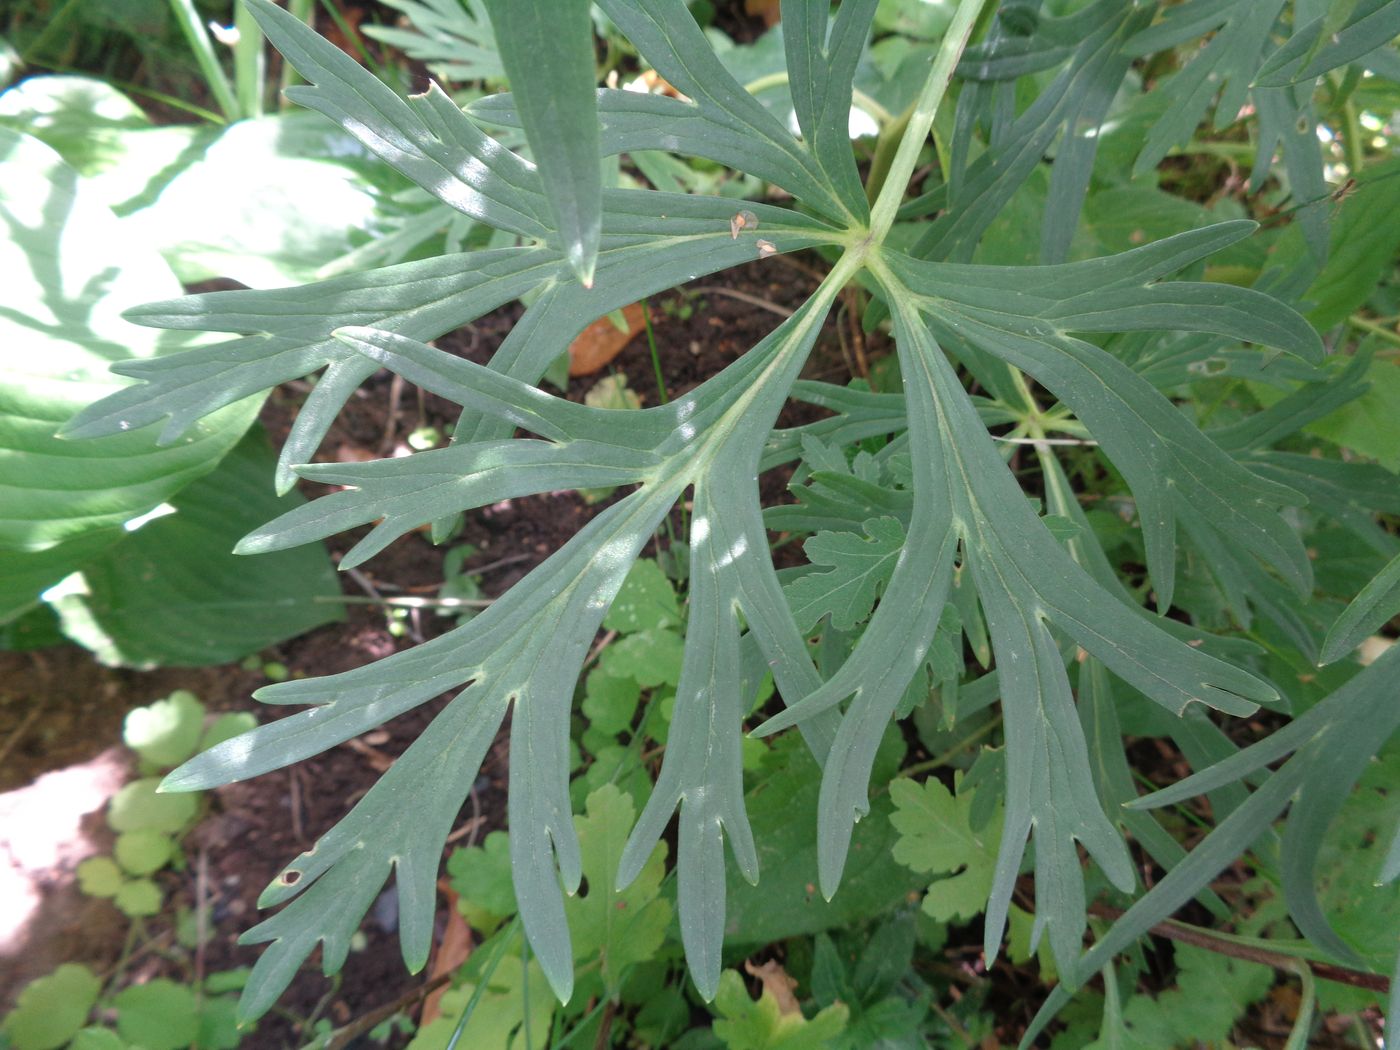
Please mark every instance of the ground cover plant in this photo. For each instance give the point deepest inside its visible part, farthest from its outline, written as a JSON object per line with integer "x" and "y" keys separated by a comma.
{"x": 1063, "y": 328}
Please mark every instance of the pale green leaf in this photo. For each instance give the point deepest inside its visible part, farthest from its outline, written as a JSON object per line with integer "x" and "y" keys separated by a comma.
{"x": 647, "y": 600}
{"x": 618, "y": 928}
{"x": 559, "y": 111}
{"x": 139, "y": 898}
{"x": 1377, "y": 603}
{"x": 70, "y": 271}
{"x": 936, "y": 837}
{"x": 138, "y": 807}
{"x": 748, "y": 1024}
{"x": 52, "y": 1009}
{"x": 166, "y": 732}
{"x": 860, "y": 568}
{"x": 143, "y": 852}
{"x": 158, "y": 1015}
{"x": 99, "y": 877}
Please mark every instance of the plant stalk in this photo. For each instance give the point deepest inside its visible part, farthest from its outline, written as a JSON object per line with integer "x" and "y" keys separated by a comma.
{"x": 249, "y": 63}
{"x": 920, "y": 122}
{"x": 203, "y": 48}
{"x": 1210, "y": 940}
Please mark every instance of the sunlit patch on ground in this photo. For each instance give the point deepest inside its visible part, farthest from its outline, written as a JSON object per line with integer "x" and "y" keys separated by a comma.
{"x": 42, "y": 840}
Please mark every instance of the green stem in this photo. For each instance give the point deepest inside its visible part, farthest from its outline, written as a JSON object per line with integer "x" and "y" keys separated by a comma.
{"x": 249, "y": 63}
{"x": 481, "y": 984}
{"x": 203, "y": 48}
{"x": 655, "y": 354}
{"x": 1351, "y": 139}
{"x": 901, "y": 169}
{"x": 939, "y": 761}
{"x": 1373, "y": 328}
{"x": 885, "y": 146}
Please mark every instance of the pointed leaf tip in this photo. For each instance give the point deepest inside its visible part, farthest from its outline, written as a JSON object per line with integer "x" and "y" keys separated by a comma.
{"x": 557, "y": 103}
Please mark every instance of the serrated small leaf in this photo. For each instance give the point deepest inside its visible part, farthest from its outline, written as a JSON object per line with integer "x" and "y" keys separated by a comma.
{"x": 748, "y": 1024}
{"x": 610, "y": 702}
{"x": 650, "y": 658}
{"x": 860, "y": 568}
{"x": 647, "y": 600}
{"x": 481, "y": 877}
{"x": 619, "y": 928}
{"x": 936, "y": 837}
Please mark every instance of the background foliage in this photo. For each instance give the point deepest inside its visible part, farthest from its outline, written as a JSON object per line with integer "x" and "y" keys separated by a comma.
{"x": 1132, "y": 458}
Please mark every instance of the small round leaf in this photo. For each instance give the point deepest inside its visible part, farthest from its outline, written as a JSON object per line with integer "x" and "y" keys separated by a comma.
{"x": 52, "y": 1009}
{"x": 97, "y": 1039}
{"x": 143, "y": 852}
{"x": 99, "y": 877}
{"x": 139, "y": 898}
{"x": 166, "y": 732}
{"x": 137, "y": 807}
{"x": 158, "y": 1015}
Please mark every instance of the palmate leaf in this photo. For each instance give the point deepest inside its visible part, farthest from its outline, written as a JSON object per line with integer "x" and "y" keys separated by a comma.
{"x": 643, "y": 253}
{"x": 525, "y": 651}
{"x": 961, "y": 514}
{"x": 1147, "y": 439}
{"x": 1026, "y": 582}
{"x": 1224, "y": 67}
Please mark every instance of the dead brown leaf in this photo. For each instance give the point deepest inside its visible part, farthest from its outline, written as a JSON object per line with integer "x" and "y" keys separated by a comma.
{"x": 769, "y": 10}
{"x": 776, "y": 982}
{"x": 601, "y": 341}
{"x": 452, "y": 951}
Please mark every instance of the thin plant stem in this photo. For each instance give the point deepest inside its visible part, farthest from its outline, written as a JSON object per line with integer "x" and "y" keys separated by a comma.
{"x": 655, "y": 353}
{"x": 1223, "y": 944}
{"x": 249, "y": 63}
{"x": 941, "y": 760}
{"x": 1373, "y": 328}
{"x": 481, "y": 984}
{"x": 920, "y": 121}
{"x": 198, "y": 37}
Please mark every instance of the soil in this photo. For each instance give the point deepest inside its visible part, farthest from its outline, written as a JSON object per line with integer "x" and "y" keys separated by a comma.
{"x": 59, "y": 709}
